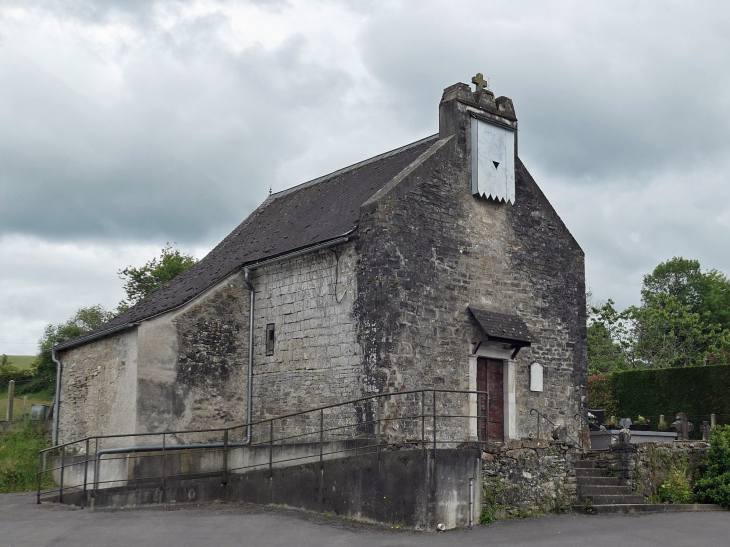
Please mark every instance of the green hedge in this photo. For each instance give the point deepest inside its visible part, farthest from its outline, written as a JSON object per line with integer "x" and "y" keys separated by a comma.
{"x": 692, "y": 390}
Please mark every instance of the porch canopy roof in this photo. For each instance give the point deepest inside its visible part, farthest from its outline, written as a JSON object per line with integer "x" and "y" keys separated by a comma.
{"x": 502, "y": 327}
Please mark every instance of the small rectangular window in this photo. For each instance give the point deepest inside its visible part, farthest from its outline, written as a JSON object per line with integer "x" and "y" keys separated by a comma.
{"x": 270, "y": 339}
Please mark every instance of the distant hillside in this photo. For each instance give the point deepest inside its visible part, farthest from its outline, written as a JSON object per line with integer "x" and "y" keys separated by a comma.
{"x": 21, "y": 361}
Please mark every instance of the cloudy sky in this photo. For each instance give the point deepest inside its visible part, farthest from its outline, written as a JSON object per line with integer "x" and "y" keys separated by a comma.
{"x": 125, "y": 124}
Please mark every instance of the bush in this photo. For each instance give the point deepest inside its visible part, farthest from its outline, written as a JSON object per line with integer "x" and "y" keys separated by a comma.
{"x": 692, "y": 390}
{"x": 677, "y": 488}
{"x": 19, "y": 459}
{"x": 9, "y": 372}
{"x": 714, "y": 485}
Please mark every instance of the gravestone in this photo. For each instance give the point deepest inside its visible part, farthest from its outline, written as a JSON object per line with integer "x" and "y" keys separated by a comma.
{"x": 682, "y": 427}
{"x": 705, "y": 429}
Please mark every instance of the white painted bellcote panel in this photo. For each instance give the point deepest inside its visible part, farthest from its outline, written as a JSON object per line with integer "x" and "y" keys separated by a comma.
{"x": 492, "y": 161}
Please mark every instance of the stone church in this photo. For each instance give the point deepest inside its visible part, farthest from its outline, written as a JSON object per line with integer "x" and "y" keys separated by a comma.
{"x": 438, "y": 264}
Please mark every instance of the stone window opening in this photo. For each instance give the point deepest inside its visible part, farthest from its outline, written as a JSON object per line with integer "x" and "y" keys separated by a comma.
{"x": 270, "y": 339}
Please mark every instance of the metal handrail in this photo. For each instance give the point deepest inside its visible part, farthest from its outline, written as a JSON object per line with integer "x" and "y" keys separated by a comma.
{"x": 265, "y": 420}
{"x": 369, "y": 428}
{"x": 534, "y": 411}
{"x": 579, "y": 416}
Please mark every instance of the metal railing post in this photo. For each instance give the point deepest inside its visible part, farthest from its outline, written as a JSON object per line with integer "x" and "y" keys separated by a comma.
{"x": 377, "y": 426}
{"x": 225, "y": 456}
{"x": 423, "y": 421}
{"x": 162, "y": 487}
{"x": 86, "y": 468}
{"x": 489, "y": 403}
{"x": 321, "y": 436}
{"x": 63, "y": 464}
{"x": 96, "y": 467}
{"x": 271, "y": 448}
{"x": 479, "y": 416}
{"x": 434, "y": 424}
{"x": 471, "y": 502}
{"x": 40, "y": 477}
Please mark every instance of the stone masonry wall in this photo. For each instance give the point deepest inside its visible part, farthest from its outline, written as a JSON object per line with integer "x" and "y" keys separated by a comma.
{"x": 316, "y": 358}
{"x": 193, "y": 365}
{"x": 528, "y": 477}
{"x": 98, "y": 387}
{"x": 647, "y": 468}
{"x": 428, "y": 249}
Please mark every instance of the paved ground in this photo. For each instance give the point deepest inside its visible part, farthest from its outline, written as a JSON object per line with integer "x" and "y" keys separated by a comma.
{"x": 22, "y": 523}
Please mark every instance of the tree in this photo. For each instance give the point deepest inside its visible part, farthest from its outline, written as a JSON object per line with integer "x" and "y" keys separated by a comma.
{"x": 682, "y": 321}
{"x": 44, "y": 369}
{"x": 140, "y": 282}
{"x": 707, "y": 294}
{"x": 609, "y": 340}
{"x": 669, "y": 334}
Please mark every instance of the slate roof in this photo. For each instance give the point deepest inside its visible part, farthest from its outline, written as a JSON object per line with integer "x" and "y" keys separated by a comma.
{"x": 503, "y": 327}
{"x": 314, "y": 212}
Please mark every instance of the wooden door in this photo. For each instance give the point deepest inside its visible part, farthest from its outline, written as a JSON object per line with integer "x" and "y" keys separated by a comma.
{"x": 491, "y": 403}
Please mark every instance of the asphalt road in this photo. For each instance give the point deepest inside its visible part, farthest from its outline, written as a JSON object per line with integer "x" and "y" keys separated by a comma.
{"x": 23, "y": 523}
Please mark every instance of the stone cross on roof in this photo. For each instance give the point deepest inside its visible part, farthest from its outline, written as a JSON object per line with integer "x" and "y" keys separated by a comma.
{"x": 480, "y": 82}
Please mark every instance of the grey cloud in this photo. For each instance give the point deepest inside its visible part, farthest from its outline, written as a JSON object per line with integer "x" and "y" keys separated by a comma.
{"x": 191, "y": 154}
{"x": 597, "y": 98}
{"x": 623, "y": 115}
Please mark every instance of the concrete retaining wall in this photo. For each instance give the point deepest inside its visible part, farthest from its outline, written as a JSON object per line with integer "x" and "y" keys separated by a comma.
{"x": 408, "y": 488}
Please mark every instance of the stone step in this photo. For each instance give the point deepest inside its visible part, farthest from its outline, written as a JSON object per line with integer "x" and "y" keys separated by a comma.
{"x": 587, "y": 472}
{"x": 621, "y": 499}
{"x": 598, "y": 481}
{"x": 645, "y": 508}
{"x": 586, "y": 491}
{"x": 585, "y": 464}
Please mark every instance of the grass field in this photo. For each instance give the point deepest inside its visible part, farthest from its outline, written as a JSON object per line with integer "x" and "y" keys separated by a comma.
{"x": 21, "y": 361}
{"x": 18, "y": 405}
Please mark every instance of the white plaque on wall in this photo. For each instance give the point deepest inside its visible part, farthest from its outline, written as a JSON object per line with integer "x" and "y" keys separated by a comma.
{"x": 535, "y": 377}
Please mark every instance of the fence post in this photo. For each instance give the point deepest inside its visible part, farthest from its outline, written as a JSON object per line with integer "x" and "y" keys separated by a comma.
{"x": 225, "y": 456}
{"x": 377, "y": 426}
{"x": 86, "y": 468}
{"x": 713, "y": 420}
{"x": 11, "y": 395}
{"x": 434, "y": 424}
{"x": 63, "y": 464}
{"x": 271, "y": 448}
{"x": 25, "y": 406}
{"x": 321, "y": 436}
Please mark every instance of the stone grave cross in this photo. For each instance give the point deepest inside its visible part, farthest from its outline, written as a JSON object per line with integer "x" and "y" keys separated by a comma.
{"x": 683, "y": 427}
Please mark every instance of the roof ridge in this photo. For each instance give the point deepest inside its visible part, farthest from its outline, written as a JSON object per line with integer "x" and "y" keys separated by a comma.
{"x": 349, "y": 168}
